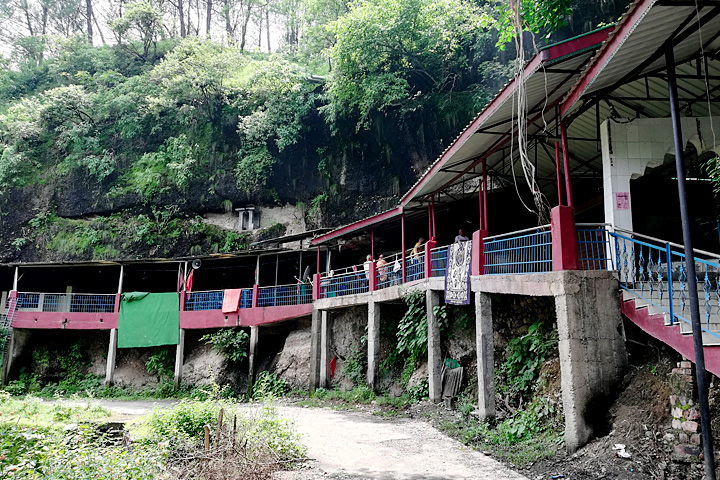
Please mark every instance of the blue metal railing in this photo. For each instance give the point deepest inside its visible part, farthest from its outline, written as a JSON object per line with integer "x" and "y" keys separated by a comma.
{"x": 655, "y": 271}
{"x": 525, "y": 251}
{"x": 350, "y": 283}
{"x": 284, "y": 295}
{"x": 438, "y": 261}
{"x": 415, "y": 267}
{"x": 66, "y": 302}
{"x": 593, "y": 244}
{"x": 211, "y": 300}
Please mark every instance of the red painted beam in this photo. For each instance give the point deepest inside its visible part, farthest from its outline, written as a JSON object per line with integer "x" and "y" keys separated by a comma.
{"x": 606, "y": 52}
{"x": 66, "y": 320}
{"x": 208, "y": 319}
{"x": 654, "y": 325}
{"x": 397, "y": 211}
{"x": 251, "y": 317}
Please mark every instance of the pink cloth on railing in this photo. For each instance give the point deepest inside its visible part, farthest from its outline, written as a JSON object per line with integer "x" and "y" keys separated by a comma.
{"x": 231, "y": 300}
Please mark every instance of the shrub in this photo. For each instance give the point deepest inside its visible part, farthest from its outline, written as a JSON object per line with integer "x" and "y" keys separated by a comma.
{"x": 231, "y": 342}
{"x": 269, "y": 385}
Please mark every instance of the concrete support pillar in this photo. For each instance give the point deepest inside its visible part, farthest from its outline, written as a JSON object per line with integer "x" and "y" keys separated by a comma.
{"x": 252, "y": 355}
{"x": 592, "y": 351}
{"x": 179, "y": 358}
{"x": 373, "y": 336}
{"x": 315, "y": 350}
{"x": 434, "y": 352}
{"x": 325, "y": 376}
{"x": 9, "y": 357}
{"x": 485, "y": 355}
{"x": 112, "y": 353}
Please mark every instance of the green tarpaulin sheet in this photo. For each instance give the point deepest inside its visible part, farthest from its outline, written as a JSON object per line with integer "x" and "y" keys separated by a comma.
{"x": 149, "y": 319}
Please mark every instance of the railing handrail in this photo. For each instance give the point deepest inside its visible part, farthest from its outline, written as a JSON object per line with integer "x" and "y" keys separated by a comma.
{"x": 64, "y": 294}
{"x": 680, "y": 254}
{"x": 524, "y": 230}
{"x": 284, "y": 285}
{"x": 648, "y": 237}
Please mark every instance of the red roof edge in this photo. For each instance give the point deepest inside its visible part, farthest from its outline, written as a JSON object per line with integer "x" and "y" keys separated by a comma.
{"x": 550, "y": 53}
{"x": 636, "y": 12}
{"x": 366, "y": 222}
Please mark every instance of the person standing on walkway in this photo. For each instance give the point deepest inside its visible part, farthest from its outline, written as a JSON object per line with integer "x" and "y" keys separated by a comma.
{"x": 382, "y": 268}
{"x": 461, "y": 236}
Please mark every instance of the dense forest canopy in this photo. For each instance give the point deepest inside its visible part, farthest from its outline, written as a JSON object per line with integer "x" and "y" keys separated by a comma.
{"x": 121, "y": 121}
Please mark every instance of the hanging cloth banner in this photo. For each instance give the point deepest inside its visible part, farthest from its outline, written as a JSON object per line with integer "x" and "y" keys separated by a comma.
{"x": 231, "y": 300}
{"x": 149, "y": 319}
{"x": 457, "y": 274}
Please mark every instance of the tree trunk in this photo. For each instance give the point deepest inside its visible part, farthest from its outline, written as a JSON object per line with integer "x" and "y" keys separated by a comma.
{"x": 181, "y": 14}
{"x": 26, "y": 8}
{"x": 99, "y": 30}
{"x": 245, "y": 27}
{"x": 267, "y": 25}
{"x": 260, "y": 22}
{"x": 228, "y": 23}
{"x": 89, "y": 14}
{"x": 208, "y": 18}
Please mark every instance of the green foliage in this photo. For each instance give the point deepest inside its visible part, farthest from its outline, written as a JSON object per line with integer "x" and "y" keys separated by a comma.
{"x": 535, "y": 16}
{"x": 412, "y": 331}
{"x": 183, "y": 421}
{"x": 141, "y": 22}
{"x": 355, "y": 365}
{"x": 161, "y": 362}
{"x": 524, "y": 356}
{"x": 268, "y": 386}
{"x": 253, "y": 171}
{"x": 231, "y": 342}
{"x": 388, "y": 53}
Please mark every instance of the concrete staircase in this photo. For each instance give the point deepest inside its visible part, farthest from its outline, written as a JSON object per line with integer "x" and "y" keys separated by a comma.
{"x": 655, "y": 321}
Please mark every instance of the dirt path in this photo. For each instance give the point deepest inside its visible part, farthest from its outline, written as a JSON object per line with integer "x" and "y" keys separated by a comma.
{"x": 358, "y": 445}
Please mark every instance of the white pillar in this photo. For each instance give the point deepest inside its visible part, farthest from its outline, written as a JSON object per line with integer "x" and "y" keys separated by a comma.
{"x": 373, "y": 337}
{"x": 179, "y": 358}
{"x": 325, "y": 377}
{"x": 112, "y": 353}
{"x": 434, "y": 351}
{"x": 485, "y": 355}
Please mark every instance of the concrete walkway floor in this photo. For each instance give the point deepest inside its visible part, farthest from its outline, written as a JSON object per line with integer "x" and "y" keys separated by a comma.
{"x": 359, "y": 446}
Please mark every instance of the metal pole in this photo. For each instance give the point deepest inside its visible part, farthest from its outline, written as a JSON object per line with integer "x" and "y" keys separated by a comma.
{"x": 432, "y": 205}
{"x": 566, "y": 164}
{"x": 257, "y": 271}
{"x": 122, "y": 274}
{"x": 485, "y": 202}
{"x": 691, "y": 276}
{"x": 318, "y": 260}
{"x": 372, "y": 243}
{"x": 557, "y": 169}
{"x": 480, "y": 201}
{"x": 300, "y": 271}
{"x": 402, "y": 228}
{"x": 15, "y": 278}
{"x": 429, "y": 223}
{"x": 277, "y": 263}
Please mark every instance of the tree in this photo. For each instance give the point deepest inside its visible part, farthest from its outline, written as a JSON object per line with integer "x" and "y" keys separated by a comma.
{"x": 389, "y": 52}
{"x": 144, "y": 22}
{"x": 89, "y": 14}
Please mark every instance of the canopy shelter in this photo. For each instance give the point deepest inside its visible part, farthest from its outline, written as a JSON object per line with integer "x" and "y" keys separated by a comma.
{"x": 488, "y": 139}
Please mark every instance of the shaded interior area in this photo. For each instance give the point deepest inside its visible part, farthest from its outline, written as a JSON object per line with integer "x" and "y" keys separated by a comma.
{"x": 58, "y": 279}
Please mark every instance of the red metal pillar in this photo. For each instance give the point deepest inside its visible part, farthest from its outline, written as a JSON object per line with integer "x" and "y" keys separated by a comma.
{"x": 557, "y": 168}
{"x": 434, "y": 231}
{"x": 372, "y": 276}
{"x": 485, "y": 202}
{"x": 480, "y": 203}
{"x": 372, "y": 243}
{"x": 566, "y": 164}
{"x": 318, "y": 260}
{"x": 429, "y": 245}
{"x": 402, "y": 242}
{"x": 429, "y": 222}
